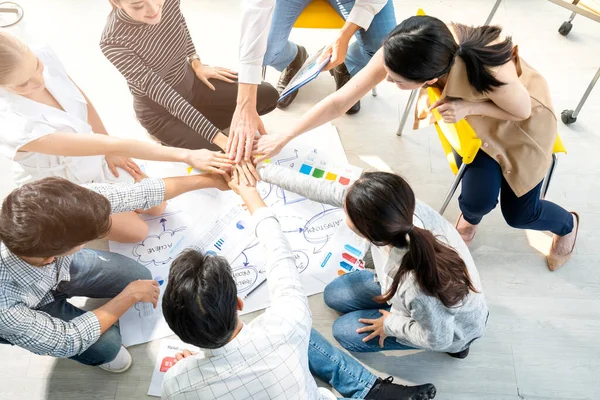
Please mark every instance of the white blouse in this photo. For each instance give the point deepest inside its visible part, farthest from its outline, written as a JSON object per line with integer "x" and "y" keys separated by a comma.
{"x": 23, "y": 120}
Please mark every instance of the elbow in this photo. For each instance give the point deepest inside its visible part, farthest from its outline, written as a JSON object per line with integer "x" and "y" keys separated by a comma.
{"x": 523, "y": 114}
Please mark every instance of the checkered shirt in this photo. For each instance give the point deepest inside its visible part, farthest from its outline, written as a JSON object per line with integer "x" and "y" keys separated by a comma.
{"x": 268, "y": 359}
{"x": 25, "y": 288}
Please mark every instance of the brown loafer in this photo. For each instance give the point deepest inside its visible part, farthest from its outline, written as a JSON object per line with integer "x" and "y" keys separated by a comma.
{"x": 555, "y": 261}
{"x": 287, "y": 75}
{"x": 465, "y": 238}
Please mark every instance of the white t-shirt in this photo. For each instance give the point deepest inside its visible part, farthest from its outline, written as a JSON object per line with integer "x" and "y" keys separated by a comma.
{"x": 23, "y": 120}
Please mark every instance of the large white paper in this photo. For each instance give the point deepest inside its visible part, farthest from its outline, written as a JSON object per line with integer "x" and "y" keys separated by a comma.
{"x": 217, "y": 223}
{"x": 165, "y": 360}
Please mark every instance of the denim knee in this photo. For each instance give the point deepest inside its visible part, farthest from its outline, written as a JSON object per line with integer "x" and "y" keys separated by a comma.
{"x": 333, "y": 295}
{"x": 104, "y": 350}
{"x": 344, "y": 331}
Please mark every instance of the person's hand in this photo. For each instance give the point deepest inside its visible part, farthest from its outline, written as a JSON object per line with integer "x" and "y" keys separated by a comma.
{"x": 237, "y": 182}
{"x": 206, "y": 72}
{"x": 267, "y": 146}
{"x": 451, "y": 111}
{"x": 244, "y": 125}
{"x": 337, "y": 50}
{"x": 246, "y": 173}
{"x": 146, "y": 291}
{"x": 209, "y": 161}
{"x": 217, "y": 181}
{"x": 375, "y": 326}
{"x": 182, "y": 355}
{"x": 125, "y": 163}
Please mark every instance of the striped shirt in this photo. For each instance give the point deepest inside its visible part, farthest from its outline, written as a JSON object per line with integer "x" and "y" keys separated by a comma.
{"x": 25, "y": 288}
{"x": 153, "y": 59}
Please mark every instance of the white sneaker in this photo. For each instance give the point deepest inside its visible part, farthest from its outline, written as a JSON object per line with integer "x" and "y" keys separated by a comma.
{"x": 120, "y": 364}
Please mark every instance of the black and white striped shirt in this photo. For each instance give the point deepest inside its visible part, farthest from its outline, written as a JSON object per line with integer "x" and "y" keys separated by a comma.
{"x": 153, "y": 59}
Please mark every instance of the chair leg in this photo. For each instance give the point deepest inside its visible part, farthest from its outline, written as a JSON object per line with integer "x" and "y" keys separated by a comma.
{"x": 374, "y": 91}
{"x": 548, "y": 177}
{"x": 493, "y": 12}
{"x": 452, "y": 190}
{"x": 411, "y": 100}
{"x": 264, "y": 73}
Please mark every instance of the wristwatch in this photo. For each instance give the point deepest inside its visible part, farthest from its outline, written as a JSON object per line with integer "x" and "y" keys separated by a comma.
{"x": 192, "y": 58}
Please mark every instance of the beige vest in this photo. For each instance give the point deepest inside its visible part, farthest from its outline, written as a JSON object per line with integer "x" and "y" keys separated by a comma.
{"x": 523, "y": 149}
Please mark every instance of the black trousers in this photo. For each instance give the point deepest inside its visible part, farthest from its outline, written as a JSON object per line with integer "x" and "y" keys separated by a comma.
{"x": 217, "y": 106}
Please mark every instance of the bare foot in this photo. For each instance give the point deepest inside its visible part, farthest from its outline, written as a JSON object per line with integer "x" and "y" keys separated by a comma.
{"x": 563, "y": 245}
{"x": 467, "y": 231}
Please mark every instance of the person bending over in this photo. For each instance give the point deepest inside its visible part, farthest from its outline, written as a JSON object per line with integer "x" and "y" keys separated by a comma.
{"x": 274, "y": 355}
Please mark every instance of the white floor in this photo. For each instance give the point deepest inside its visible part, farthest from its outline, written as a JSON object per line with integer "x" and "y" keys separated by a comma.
{"x": 543, "y": 334}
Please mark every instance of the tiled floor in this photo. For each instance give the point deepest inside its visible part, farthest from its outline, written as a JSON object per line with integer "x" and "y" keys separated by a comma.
{"x": 542, "y": 340}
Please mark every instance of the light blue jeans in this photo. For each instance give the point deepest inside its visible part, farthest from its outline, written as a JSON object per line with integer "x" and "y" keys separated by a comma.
{"x": 341, "y": 371}
{"x": 95, "y": 274}
{"x": 352, "y": 295}
{"x": 281, "y": 52}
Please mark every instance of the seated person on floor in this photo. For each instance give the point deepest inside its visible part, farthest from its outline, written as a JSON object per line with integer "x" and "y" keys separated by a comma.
{"x": 44, "y": 226}
{"x": 177, "y": 99}
{"x": 51, "y": 128}
{"x": 425, "y": 292}
{"x": 274, "y": 355}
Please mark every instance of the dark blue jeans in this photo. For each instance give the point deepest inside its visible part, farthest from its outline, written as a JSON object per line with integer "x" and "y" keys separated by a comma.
{"x": 95, "y": 274}
{"x": 352, "y": 294}
{"x": 483, "y": 182}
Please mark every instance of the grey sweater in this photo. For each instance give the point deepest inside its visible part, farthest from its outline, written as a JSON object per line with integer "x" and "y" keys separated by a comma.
{"x": 416, "y": 319}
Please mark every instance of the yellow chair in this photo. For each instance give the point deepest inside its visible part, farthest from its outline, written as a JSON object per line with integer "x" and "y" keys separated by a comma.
{"x": 319, "y": 14}
{"x": 462, "y": 138}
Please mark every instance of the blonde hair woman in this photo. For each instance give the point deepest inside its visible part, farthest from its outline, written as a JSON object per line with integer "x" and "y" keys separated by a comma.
{"x": 50, "y": 128}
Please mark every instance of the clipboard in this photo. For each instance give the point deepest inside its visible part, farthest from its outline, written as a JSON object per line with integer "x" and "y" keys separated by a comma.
{"x": 309, "y": 71}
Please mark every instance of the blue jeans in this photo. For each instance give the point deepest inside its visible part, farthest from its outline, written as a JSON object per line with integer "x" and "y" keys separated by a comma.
{"x": 95, "y": 274}
{"x": 483, "y": 182}
{"x": 281, "y": 52}
{"x": 352, "y": 295}
{"x": 342, "y": 372}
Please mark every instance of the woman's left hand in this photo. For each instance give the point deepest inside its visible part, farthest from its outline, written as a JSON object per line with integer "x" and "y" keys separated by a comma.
{"x": 125, "y": 163}
{"x": 206, "y": 72}
{"x": 451, "y": 111}
{"x": 375, "y": 326}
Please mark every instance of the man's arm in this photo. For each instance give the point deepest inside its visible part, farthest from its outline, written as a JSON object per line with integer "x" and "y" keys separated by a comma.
{"x": 256, "y": 23}
{"x": 151, "y": 192}
{"x": 42, "y": 334}
{"x": 361, "y": 16}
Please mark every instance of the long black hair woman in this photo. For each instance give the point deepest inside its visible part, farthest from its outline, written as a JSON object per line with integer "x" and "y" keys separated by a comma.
{"x": 505, "y": 100}
{"x": 427, "y": 293}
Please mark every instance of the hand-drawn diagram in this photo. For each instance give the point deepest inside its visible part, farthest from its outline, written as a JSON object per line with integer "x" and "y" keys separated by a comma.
{"x": 158, "y": 249}
{"x": 214, "y": 222}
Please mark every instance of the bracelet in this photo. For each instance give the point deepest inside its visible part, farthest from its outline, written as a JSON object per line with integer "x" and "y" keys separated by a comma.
{"x": 192, "y": 58}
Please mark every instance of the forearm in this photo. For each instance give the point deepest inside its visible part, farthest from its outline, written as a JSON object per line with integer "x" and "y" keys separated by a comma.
{"x": 79, "y": 145}
{"x": 319, "y": 190}
{"x": 246, "y": 96}
{"x": 110, "y": 313}
{"x": 348, "y": 30}
{"x": 490, "y": 109}
{"x": 252, "y": 199}
{"x": 181, "y": 184}
{"x": 220, "y": 140}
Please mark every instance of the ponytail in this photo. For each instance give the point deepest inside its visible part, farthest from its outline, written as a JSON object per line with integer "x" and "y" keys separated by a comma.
{"x": 438, "y": 269}
{"x": 422, "y": 48}
{"x": 478, "y": 55}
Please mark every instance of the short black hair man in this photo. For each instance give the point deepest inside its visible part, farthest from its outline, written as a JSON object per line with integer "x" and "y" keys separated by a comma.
{"x": 274, "y": 355}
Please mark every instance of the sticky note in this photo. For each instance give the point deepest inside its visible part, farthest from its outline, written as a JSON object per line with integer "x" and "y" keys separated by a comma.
{"x": 305, "y": 169}
{"x": 344, "y": 181}
{"x": 318, "y": 173}
{"x": 330, "y": 176}
{"x": 349, "y": 258}
{"x": 346, "y": 266}
{"x": 353, "y": 250}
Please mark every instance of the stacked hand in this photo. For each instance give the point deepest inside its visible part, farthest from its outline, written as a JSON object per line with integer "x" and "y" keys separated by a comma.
{"x": 209, "y": 161}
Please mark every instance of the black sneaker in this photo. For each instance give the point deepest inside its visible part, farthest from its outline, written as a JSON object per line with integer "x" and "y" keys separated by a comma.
{"x": 385, "y": 389}
{"x": 342, "y": 76}
{"x": 286, "y": 76}
{"x": 461, "y": 354}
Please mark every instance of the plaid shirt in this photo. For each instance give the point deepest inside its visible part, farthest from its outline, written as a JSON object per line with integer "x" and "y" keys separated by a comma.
{"x": 268, "y": 359}
{"x": 25, "y": 288}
